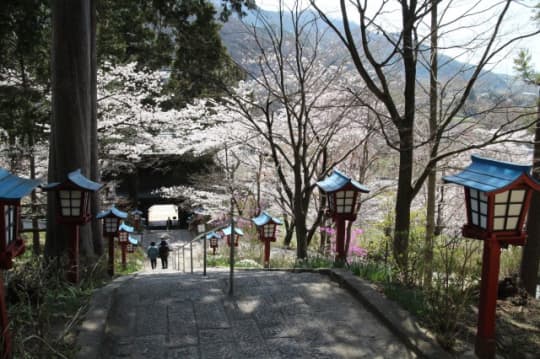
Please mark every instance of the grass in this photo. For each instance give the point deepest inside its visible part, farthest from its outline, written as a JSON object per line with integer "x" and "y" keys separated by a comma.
{"x": 373, "y": 271}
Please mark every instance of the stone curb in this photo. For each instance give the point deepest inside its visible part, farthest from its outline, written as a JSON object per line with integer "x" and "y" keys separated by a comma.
{"x": 398, "y": 320}
{"x": 92, "y": 330}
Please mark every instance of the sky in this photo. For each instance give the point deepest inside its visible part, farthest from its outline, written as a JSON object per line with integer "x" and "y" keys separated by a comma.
{"x": 480, "y": 22}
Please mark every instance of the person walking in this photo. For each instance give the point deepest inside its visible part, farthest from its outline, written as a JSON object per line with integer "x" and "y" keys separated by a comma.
{"x": 153, "y": 253}
{"x": 164, "y": 254}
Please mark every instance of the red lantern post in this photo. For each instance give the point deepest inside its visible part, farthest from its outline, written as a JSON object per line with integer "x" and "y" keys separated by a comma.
{"x": 111, "y": 221}
{"x": 137, "y": 219}
{"x": 213, "y": 238}
{"x": 266, "y": 226}
{"x": 497, "y": 196}
{"x": 73, "y": 209}
{"x": 123, "y": 238}
{"x": 237, "y": 234}
{"x": 342, "y": 194}
{"x": 12, "y": 189}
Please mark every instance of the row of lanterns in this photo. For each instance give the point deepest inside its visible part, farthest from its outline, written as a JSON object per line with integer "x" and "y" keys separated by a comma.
{"x": 266, "y": 226}
{"x": 113, "y": 226}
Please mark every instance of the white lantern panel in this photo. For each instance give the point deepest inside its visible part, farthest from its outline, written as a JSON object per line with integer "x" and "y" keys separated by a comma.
{"x": 511, "y": 223}
{"x": 76, "y": 211}
{"x": 64, "y": 194}
{"x": 483, "y": 196}
{"x": 10, "y": 219}
{"x": 475, "y": 220}
{"x": 501, "y": 197}
{"x": 474, "y": 205}
{"x": 76, "y": 203}
{"x": 65, "y": 203}
{"x": 517, "y": 196}
{"x": 76, "y": 194}
{"x": 498, "y": 224}
{"x": 500, "y": 210}
{"x": 111, "y": 225}
{"x": 514, "y": 210}
{"x": 483, "y": 208}
{"x": 483, "y": 221}
{"x": 473, "y": 193}
{"x": 269, "y": 230}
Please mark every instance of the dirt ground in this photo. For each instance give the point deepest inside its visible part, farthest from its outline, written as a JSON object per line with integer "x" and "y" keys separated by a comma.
{"x": 517, "y": 329}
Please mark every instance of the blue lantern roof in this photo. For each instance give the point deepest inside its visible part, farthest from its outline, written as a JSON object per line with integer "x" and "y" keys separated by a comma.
{"x": 124, "y": 227}
{"x": 13, "y": 187}
{"x": 265, "y": 218}
{"x": 77, "y": 178}
{"x": 487, "y": 175}
{"x": 213, "y": 235}
{"x": 133, "y": 240}
{"x": 337, "y": 181}
{"x": 227, "y": 231}
{"x": 113, "y": 211}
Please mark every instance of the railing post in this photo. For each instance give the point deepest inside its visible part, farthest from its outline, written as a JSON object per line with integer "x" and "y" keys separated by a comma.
{"x": 184, "y": 259}
{"x": 204, "y": 255}
{"x": 191, "y": 255}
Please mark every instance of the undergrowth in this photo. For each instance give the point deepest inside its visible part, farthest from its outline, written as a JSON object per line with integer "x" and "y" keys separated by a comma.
{"x": 45, "y": 310}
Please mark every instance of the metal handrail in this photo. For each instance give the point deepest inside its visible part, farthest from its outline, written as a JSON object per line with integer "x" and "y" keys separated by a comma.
{"x": 190, "y": 244}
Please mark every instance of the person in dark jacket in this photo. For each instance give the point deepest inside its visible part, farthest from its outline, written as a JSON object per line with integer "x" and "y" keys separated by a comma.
{"x": 164, "y": 254}
{"x": 153, "y": 253}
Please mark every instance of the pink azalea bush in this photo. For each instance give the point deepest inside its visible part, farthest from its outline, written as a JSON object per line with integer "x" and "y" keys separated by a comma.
{"x": 355, "y": 251}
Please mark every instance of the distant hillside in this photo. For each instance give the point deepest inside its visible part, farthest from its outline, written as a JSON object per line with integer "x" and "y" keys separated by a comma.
{"x": 238, "y": 42}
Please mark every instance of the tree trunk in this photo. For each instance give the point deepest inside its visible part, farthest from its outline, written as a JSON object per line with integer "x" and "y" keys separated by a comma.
{"x": 531, "y": 251}
{"x": 71, "y": 125}
{"x": 289, "y": 231}
{"x": 406, "y": 136}
{"x": 300, "y": 217}
{"x": 403, "y": 204}
{"x": 301, "y": 235}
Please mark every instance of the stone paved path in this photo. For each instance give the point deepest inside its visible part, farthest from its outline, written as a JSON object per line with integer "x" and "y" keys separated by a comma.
{"x": 270, "y": 315}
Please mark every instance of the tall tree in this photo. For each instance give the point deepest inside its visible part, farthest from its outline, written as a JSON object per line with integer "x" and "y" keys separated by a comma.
{"x": 72, "y": 102}
{"x": 432, "y": 176}
{"x": 401, "y": 56}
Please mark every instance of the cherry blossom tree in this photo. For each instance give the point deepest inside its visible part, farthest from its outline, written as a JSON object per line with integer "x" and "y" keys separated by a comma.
{"x": 298, "y": 105}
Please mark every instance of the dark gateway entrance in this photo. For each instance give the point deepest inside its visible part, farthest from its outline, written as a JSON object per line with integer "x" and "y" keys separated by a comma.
{"x": 156, "y": 171}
